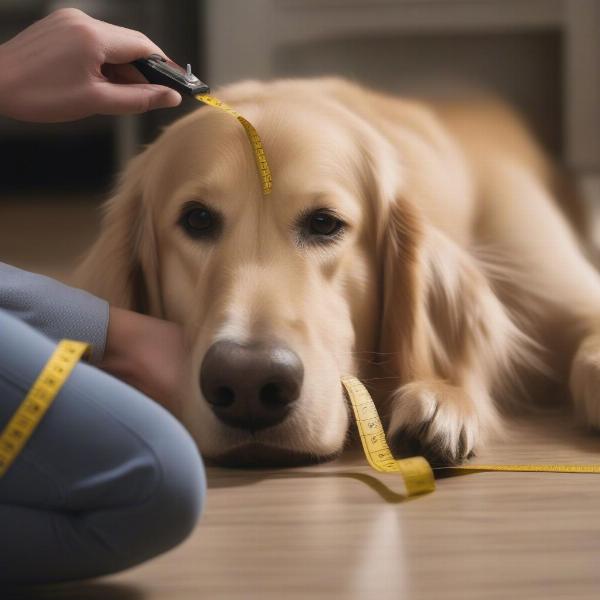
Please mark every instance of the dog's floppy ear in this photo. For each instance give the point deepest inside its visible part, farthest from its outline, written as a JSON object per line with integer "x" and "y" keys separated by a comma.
{"x": 121, "y": 266}
{"x": 403, "y": 336}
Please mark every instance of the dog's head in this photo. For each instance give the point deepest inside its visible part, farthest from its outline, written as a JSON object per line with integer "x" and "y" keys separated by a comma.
{"x": 281, "y": 295}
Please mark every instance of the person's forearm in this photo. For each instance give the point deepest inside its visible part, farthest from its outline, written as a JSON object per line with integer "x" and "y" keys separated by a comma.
{"x": 57, "y": 310}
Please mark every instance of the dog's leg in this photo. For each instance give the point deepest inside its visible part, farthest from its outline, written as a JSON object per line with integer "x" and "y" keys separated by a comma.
{"x": 454, "y": 344}
{"x": 560, "y": 287}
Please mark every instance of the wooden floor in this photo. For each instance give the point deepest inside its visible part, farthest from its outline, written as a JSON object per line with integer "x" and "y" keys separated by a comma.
{"x": 340, "y": 530}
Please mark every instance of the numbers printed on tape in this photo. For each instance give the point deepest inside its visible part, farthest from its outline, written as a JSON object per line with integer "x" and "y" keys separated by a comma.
{"x": 416, "y": 472}
{"x": 39, "y": 398}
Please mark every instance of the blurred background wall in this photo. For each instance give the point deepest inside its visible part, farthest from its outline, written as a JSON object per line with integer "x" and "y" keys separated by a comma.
{"x": 83, "y": 156}
{"x": 541, "y": 55}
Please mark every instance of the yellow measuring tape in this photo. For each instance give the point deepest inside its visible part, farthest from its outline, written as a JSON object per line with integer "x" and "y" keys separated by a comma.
{"x": 259, "y": 153}
{"x": 38, "y": 400}
{"x": 416, "y": 471}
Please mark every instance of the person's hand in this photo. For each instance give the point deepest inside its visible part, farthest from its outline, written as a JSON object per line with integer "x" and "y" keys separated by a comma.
{"x": 150, "y": 354}
{"x": 69, "y": 66}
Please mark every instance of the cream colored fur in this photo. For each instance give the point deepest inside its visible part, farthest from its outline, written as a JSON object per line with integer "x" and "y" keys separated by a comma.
{"x": 458, "y": 282}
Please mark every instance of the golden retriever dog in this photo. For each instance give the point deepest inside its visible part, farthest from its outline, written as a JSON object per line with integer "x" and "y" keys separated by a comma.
{"x": 419, "y": 247}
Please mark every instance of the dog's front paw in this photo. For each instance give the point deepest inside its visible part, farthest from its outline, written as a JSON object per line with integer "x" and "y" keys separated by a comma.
{"x": 434, "y": 420}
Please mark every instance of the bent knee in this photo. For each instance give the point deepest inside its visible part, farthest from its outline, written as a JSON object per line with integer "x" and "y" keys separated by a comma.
{"x": 178, "y": 498}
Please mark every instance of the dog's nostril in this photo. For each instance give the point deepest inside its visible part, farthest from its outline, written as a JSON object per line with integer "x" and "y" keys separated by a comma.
{"x": 271, "y": 395}
{"x": 223, "y": 396}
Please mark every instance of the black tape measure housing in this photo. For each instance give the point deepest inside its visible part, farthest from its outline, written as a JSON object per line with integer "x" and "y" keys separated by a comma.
{"x": 159, "y": 70}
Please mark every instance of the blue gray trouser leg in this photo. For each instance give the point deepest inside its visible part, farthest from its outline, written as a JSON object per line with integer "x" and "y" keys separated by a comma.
{"x": 108, "y": 479}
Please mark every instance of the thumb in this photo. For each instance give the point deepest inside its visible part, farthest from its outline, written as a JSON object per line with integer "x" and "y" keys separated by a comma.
{"x": 133, "y": 98}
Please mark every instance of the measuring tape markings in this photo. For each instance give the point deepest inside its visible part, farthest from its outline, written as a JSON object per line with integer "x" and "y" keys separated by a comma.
{"x": 38, "y": 400}
{"x": 416, "y": 471}
{"x": 259, "y": 153}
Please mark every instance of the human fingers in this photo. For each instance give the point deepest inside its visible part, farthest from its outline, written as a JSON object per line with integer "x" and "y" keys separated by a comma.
{"x": 133, "y": 98}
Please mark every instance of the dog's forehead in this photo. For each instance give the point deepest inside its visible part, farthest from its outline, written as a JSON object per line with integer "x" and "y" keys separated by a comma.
{"x": 201, "y": 143}
{"x": 302, "y": 141}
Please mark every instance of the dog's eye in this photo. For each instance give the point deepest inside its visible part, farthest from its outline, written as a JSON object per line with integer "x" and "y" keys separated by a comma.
{"x": 198, "y": 221}
{"x": 323, "y": 224}
{"x": 319, "y": 227}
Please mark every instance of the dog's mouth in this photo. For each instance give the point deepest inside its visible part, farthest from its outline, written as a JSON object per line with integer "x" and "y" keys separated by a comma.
{"x": 255, "y": 455}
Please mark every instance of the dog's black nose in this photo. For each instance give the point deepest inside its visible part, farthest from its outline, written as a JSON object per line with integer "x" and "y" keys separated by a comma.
{"x": 251, "y": 386}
